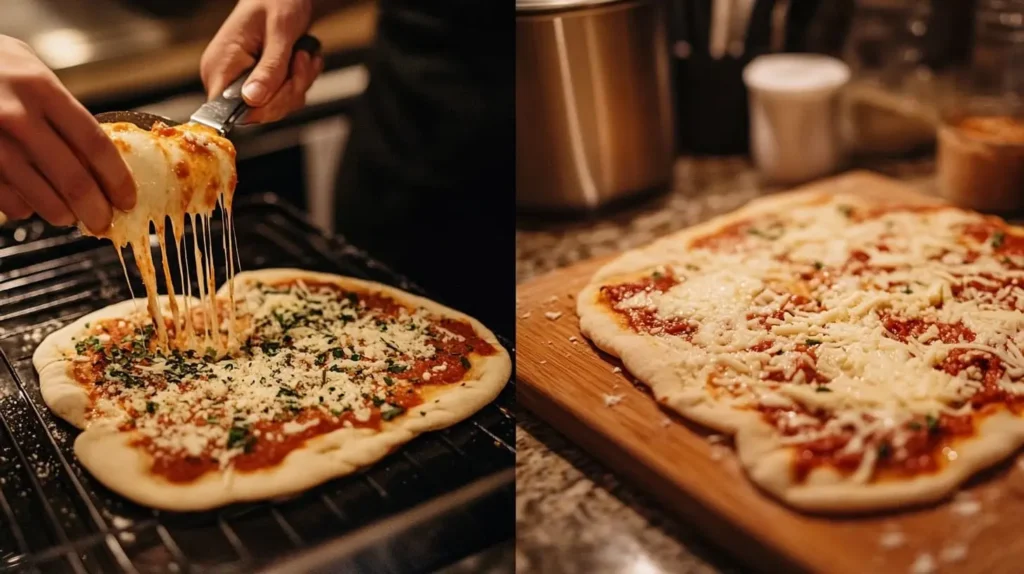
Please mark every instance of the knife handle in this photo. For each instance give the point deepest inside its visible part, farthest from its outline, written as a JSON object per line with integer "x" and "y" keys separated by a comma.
{"x": 221, "y": 112}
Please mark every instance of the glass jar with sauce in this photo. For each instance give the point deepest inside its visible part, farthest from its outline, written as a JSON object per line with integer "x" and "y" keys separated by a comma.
{"x": 980, "y": 159}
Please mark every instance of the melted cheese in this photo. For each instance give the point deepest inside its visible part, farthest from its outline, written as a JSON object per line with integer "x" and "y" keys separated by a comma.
{"x": 179, "y": 172}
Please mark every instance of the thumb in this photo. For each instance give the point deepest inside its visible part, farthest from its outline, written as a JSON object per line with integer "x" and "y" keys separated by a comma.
{"x": 271, "y": 71}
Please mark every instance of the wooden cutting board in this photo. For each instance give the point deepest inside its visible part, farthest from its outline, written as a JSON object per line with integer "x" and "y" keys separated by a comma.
{"x": 569, "y": 383}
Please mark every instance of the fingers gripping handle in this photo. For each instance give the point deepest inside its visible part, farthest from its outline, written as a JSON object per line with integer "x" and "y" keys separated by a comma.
{"x": 223, "y": 111}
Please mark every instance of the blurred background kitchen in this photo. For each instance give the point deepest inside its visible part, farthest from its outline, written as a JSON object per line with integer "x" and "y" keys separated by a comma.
{"x": 144, "y": 54}
{"x": 637, "y": 118}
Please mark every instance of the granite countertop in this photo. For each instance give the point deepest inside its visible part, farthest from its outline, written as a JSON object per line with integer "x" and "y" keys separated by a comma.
{"x": 572, "y": 513}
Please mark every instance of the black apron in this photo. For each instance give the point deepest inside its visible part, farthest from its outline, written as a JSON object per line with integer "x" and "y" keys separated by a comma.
{"x": 426, "y": 184}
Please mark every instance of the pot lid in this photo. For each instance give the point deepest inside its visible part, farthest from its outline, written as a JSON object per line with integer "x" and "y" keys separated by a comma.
{"x": 543, "y": 5}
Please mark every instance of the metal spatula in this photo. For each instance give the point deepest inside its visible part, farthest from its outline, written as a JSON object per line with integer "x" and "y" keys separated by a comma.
{"x": 220, "y": 113}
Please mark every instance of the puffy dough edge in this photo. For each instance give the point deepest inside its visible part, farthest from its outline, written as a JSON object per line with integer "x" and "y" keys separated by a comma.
{"x": 107, "y": 454}
{"x": 52, "y": 359}
{"x": 766, "y": 461}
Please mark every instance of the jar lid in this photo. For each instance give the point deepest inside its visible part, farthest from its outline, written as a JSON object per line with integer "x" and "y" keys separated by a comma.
{"x": 795, "y": 74}
{"x": 546, "y": 5}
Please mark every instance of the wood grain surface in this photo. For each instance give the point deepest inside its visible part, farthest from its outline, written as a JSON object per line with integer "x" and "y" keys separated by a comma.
{"x": 574, "y": 387}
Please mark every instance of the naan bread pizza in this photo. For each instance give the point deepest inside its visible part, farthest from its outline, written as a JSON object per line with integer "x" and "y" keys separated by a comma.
{"x": 864, "y": 354}
{"x": 281, "y": 380}
{"x": 331, "y": 374}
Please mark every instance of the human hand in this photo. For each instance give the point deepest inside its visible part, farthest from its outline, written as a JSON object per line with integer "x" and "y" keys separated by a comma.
{"x": 263, "y": 33}
{"x": 55, "y": 159}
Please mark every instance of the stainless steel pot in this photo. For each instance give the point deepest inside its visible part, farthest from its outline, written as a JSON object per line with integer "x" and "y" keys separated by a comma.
{"x": 593, "y": 102}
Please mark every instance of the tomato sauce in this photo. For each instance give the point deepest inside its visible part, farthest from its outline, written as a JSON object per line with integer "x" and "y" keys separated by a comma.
{"x": 645, "y": 320}
{"x": 1001, "y": 237}
{"x": 725, "y": 239}
{"x": 806, "y": 362}
{"x": 904, "y": 329}
{"x": 926, "y": 438}
{"x": 269, "y": 443}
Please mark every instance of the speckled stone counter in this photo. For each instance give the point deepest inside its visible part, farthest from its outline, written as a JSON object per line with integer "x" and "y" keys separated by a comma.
{"x": 572, "y": 513}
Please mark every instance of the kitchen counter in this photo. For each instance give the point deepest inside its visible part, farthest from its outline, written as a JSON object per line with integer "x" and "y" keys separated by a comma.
{"x": 572, "y": 513}
{"x": 111, "y": 52}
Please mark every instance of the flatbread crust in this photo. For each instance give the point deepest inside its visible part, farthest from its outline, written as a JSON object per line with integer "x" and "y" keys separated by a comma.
{"x": 106, "y": 453}
{"x": 768, "y": 463}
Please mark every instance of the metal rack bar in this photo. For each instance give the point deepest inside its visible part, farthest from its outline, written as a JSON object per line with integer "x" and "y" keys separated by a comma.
{"x": 50, "y": 515}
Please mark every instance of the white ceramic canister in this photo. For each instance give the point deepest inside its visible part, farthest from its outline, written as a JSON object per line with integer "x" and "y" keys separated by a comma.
{"x": 794, "y": 121}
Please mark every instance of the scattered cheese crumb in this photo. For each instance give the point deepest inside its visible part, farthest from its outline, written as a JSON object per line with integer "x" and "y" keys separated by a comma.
{"x": 526, "y": 315}
{"x": 552, "y": 299}
{"x": 715, "y": 438}
{"x": 612, "y": 400}
{"x": 665, "y": 422}
{"x": 892, "y": 539}
{"x": 965, "y": 505}
{"x": 572, "y": 339}
{"x": 544, "y": 362}
{"x": 953, "y": 553}
{"x": 553, "y": 315}
{"x": 120, "y": 522}
{"x": 924, "y": 564}
{"x": 617, "y": 370}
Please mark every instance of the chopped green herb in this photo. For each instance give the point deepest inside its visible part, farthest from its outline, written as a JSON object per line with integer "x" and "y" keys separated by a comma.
{"x": 823, "y": 390}
{"x": 391, "y": 413}
{"x": 150, "y": 407}
{"x": 657, "y": 275}
{"x": 819, "y": 265}
{"x": 846, "y": 210}
{"x": 338, "y": 353}
{"x": 397, "y": 369}
{"x": 906, "y": 289}
{"x": 914, "y": 425}
{"x": 284, "y": 391}
{"x": 239, "y": 436}
{"x": 997, "y": 239}
{"x": 389, "y": 381}
{"x": 352, "y": 298}
{"x": 884, "y": 450}
{"x": 356, "y": 356}
{"x": 377, "y": 401}
{"x": 465, "y": 363}
{"x": 812, "y": 342}
{"x": 932, "y": 422}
